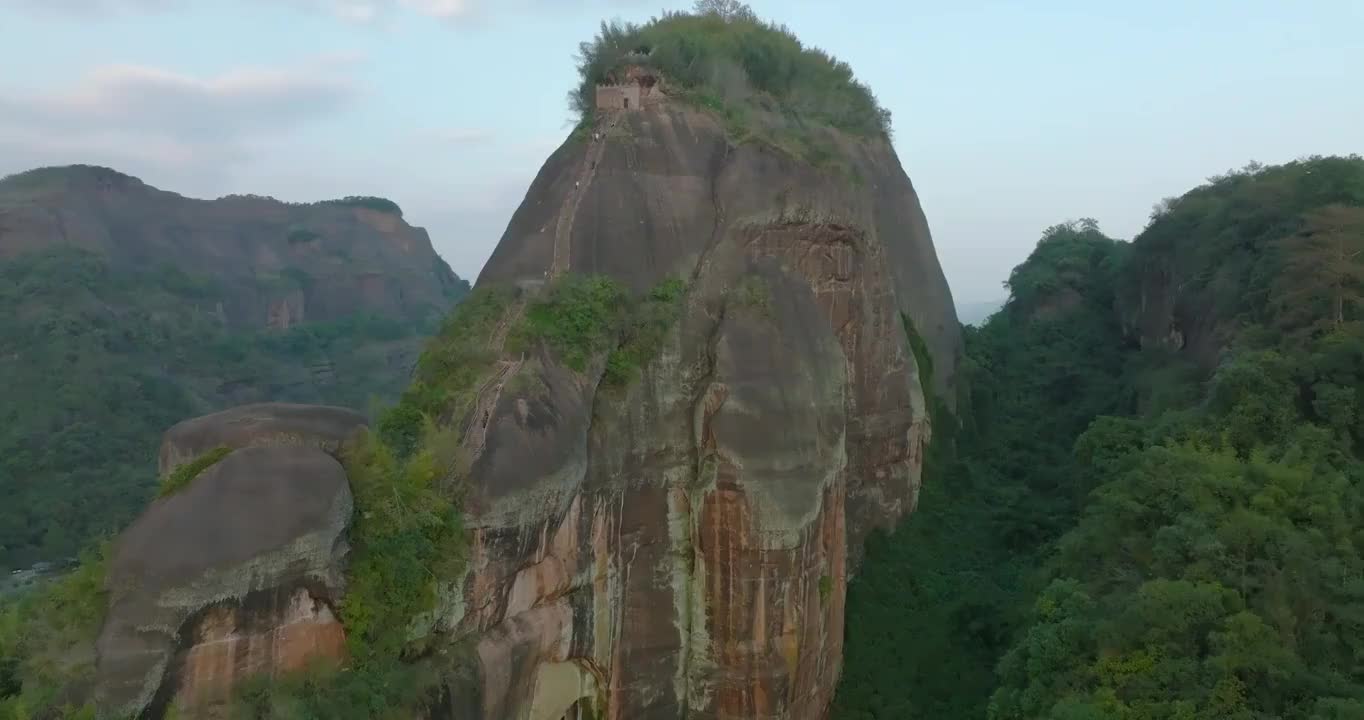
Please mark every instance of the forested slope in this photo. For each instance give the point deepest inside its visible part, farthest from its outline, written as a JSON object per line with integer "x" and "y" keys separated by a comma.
{"x": 1152, "y": 505}
{"x": 125, "y": 309}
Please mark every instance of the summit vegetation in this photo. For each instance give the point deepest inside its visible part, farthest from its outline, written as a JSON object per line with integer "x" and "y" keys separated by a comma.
{"x": 1140, "y": 515}
{"x": 722, "y": 56}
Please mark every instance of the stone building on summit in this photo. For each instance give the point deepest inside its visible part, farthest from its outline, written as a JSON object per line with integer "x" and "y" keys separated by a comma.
{"x": 631, "y": 88}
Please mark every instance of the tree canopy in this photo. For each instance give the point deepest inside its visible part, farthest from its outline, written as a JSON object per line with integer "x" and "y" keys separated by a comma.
{"x": 722, "y": 55}
{"x": 1123, "y": 529}
{"x": 97, "y": 360}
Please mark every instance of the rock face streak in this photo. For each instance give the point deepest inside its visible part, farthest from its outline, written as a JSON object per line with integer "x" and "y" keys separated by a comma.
{"x": 680, "y": 547}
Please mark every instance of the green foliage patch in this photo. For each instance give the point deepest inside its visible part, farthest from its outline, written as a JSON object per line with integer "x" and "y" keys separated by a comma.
{"x": 721, "y": 56}
{"x": 96, "y": 361}
{"x": 383, "y": 691}
{"x": 1246, "y": 244}
{"x": 181, "y": 477}
{"x": 406, "y": 537}
{"x": 47, "y": 637}
{"x": 449, "y": 370}
{"x": 582, "y": 317}
{"x": 578, "y": 318}
{"x": 645, "y": 329}
{"x": 368, "y": 202}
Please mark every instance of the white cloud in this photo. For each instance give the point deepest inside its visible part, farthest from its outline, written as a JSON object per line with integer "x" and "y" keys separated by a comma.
{"x": 82, "y": 7}
{"x": 180, "y": 127}
{"x": 162, "y": 103}
{"x": 355, "y": 10}
{"x": 369, "y": 11}
{"x": 450, "y": 11}
{"x": 267, "y": 130}
{"x": 455, "y": 136}
{"x": 359, "y": 11}
{"x": 440, "y": 8}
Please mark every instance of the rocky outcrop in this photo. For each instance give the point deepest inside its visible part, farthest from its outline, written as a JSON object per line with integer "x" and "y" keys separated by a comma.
{"x": 673, "y": 542}
{"x": 680, "y": 547}
{"x": 262, "y": 424}
{"x": 237, "y": 574}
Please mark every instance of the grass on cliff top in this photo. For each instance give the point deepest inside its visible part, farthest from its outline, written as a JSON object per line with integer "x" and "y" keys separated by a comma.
{"x": 407, "y": 534}
{"x": 368, "y": 202}
{"x": 723, "y": 56}
{"x": 182, "y": 476}
{"x": 582, "y": 317}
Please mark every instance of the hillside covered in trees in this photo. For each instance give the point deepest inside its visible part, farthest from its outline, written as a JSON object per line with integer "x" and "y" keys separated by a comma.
{"x": 125, "y": 309}
{"x": 1150, "y": 504}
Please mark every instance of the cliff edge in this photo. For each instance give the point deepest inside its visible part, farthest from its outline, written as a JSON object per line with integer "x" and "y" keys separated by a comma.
{"x": 678, "y": 545}
{"x": 692, "y": 378}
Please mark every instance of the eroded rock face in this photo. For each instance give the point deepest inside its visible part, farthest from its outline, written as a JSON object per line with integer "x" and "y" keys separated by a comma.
{"x": 239, "y": 572}
{"x": 680, "y": 547}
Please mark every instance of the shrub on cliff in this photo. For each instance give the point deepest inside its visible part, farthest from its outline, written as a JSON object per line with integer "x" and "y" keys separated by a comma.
{"x": 47, "y": 640}
{"x": 407, "y": 537}
{"x": 723, "y": 56}
{"x": 182, "y": 476}
{"x": 368, "y": 202}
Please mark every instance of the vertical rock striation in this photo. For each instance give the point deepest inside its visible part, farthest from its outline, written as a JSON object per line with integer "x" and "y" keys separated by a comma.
{"x": 679, "y": 547}
{"x": 664, "y": 543}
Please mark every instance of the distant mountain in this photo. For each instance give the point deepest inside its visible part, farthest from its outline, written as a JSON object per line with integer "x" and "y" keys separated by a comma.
{"x": 124, "y": 309}
{"x": 975, "y": 312}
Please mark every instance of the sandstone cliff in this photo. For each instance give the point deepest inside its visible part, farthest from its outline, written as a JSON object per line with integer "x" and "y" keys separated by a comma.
{"x": 684, "y": 390}
{"x": 237, "y": 574}
{"x": 678, "y": 547}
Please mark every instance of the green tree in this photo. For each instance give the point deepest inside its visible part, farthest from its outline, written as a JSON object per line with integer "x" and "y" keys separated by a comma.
{"x": 725, "y": 9}
{"x": 1324, "y": 264}
{"x": 1134, "y": 530}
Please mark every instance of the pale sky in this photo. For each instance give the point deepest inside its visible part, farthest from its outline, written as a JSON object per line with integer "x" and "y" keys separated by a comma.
{"x": 1009, "y": 116}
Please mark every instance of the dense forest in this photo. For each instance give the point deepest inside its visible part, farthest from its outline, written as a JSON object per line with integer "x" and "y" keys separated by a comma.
{"x": 1150, "y": 503}
{"x": 97, "y": 360}
{"x": 1146, "y": 501}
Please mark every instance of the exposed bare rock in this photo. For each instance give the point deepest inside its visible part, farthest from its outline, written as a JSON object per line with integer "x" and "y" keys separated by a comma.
{"x": 238, "y": 573}
{"x": 261, "y": 424}
{"x": 675, "y": 545}
{"x": 679, "y": 548}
